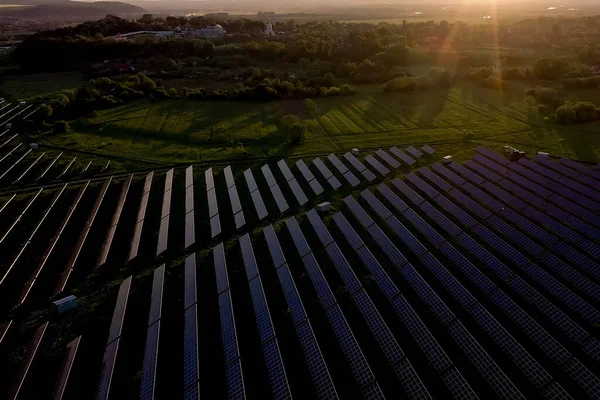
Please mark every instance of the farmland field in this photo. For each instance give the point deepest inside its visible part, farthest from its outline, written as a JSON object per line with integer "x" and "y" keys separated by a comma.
{"x": 196, "y": 131}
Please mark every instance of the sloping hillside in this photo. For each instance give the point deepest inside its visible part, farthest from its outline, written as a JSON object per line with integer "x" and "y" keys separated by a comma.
{"x": 72, "y": 9}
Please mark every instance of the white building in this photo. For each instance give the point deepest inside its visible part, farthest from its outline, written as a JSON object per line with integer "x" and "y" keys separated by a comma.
{"x": 213, "y": 31}
{"x": 269, "y": 31}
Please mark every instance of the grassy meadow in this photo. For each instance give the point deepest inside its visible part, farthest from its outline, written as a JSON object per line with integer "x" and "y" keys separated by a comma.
{"x": 457, "y": 119}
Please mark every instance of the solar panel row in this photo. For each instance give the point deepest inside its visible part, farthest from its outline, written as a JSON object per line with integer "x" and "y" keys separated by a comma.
{"x": 23, "y": 212}
{"x": 137, "y": 230}
{"x": 379, "y": 167}
{"x": 310, "y": 178}
{"x": 318, "y": 369}
{"x": 15, "y": 164}
{"x": 346, "y": 173}
{"x": 28, "y": 168}
{"x": 293, "y": 183}
{"x": 274, "y": 188}
{"x": 414, "y": 152}
{"x": 68, "y": 269}
{"x": 234, "y": 199}
{"x": 28, "y": 358}
{"x": 112, "y": 344}
{"x": 163, "y": 233}
{"x": 360, "y": 167}
{"x": 60, "y": 388}
{"x": 234, "y": 377}
{"x": 402, "y": 156}
{"x": 389, "y": 160}
{"x": 190, "y": 230}
{"x": 110, "y": 234}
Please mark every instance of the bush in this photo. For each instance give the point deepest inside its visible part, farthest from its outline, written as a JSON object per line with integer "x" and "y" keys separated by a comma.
{"x": 550, "y": 68}
{"x": 289, "y": 120}
{"x": 572, "y": 113}
{"x": 549, "y": 96}
{"x": 297, "y": 133}
{"x": 310, "y": 106}
{"x": 61, "y": 127}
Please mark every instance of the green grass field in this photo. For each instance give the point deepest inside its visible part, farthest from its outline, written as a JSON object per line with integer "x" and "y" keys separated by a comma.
{"x": 28, "y": 87}
{"x": 198, "y": 131}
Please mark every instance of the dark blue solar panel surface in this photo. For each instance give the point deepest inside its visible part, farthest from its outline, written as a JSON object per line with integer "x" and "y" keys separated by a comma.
{"x": 412, "y": 196}
{"x": 467, "y": 268}
{"x": 529, "y": 185}
{"x": 189, "y": 298}
{"x": 422, "y": 185}
{"x": 337, "y": 163}
{"x": 379, "y": 167}
{"x": 392, "y": 197}
{"x": 584, "y": 377}
{"x": 392, "y": 162}
{"x": 406, "y": 236}
{"x": 190, "y": 346}
{"x": 483, "y": 197}
{"x": 440, "y": 219}
{"x": 516, "y": 236}
{"x": 539, "y": 169}
{"x": 157, "y": 294}
{"x": 306, "y": 173}
{"x": 277, "y": 378}
{"x": 580, "y": 167}
{"x": 358, "y": 212}
{"x": 318, "y": 281}
{"x": 148, "y": 379}
{"x": 291, "y": 295}
{"x": 326, "y": 172}
{"x": 553, "y": 225}
{"x": 352, "y": 179}
{"x": 466, "y": 173}
{"x": 279, "y": 199}
{"x": 375, "y": 204}
{"x": 530, "y": 227}
{"x": 485, "y": 257}
{"x": 285, "y": 170}
{"x": 385, "y": 283}
{"x": 504, "y": 195}
{"x": 220, "y": 268}
{"x": 573, "y": 221}
{"x": 581, "y": 188}
{"x": 228, "y": 333}
{"x": 261, "y": 310}
{"x": 356, "y": 163}
{"x": 579, "y": 259}
{"x": 252, "y": 186}
{"x": 229, "y": 179}
{"x": 428, "y": 149}
{"x": 529, "y": 174}
{"x": 435, "y": 180}
{"x": 261, "y": 210}
{"x": 574, "y": 196}
{"x": 348, "y": 231}
{"x": 298, "y": 192}
{"x": 570, "y": 275}
{"x": 297, "y": 236}
{"x": 450, "y": 283}
{"x": 494, "y": 166}
{"x": 522, "y": 193}
{"x": 481, "y": 170}
{"x": 559, "y": 168}
{"x": 236, "y": 205}
{"x": 471, "y": 205}
{"x": 334, "y": 183}
{"x": 343, "y": 268}
{"x": 274, "y": 247}
{"x": 235, "y": 381}
{"x": 266, "y": 170}
{"x": 448, "y": 174}
{"x": 319, "y": 227}
{"x": 413, "y": 152}
{"x": 402, "y": 156}
{"x": 575, "y": 209}
{"x": 508, "y": 251}
{"x": 491, "y": 155}
{"x": 430, "y": 234}
{"x": 461, "y": 217}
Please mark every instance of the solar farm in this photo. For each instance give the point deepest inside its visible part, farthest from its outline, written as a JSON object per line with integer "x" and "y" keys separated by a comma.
{"x": 427, "y": 278}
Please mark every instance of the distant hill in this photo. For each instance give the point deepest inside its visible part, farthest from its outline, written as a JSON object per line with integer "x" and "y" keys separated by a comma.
{"x": 70, "y": 9}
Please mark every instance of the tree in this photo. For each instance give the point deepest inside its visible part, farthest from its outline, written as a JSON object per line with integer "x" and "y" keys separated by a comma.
{"x": 61, "y": 127}
{"x": 146, "y": 19}
{"x": 310, "y": 106}
{"x": 550, "y": 68}
{"x": 46, "y": 111}
{"x": 297, "y": 133}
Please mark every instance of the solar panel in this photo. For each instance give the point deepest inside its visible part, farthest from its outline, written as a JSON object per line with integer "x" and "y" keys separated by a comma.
{"x": 501, "y": 384}
{"x": 29, "y": 168}
{"x": 236, "y": 205}
{"x": 553, "y": 225}
{"x": 575, "y": 209}
{"x": 316, "y": 364}
{"x": 430, "y": 234}
{"x": 360, "y": 214}
{"x": 261, "y": 311}
{"x": 414, "y": 198}
{"x": 504, "y": 195}
{"x": 467, "y": 268}
{"x": 481, "y": 170}
{"x": 379, "y": 167}
{"x": 573, "y": 221}
{"x": 169, "y": 180}
{"x": 516, "y": 236}
{"x": 229, "y": 179}
{"x": 392, "y": 198}
{"x": 385, "y": 283}
{"x": 7, "y": 202}
{"x": 337, "y": 163}
{"x": 579, "y": 167}
{"x": 524, "y": 361}
{"x": 210, "y": 179}
{"x": 402, "y": 155}
{"x": 448, "y": 174}
{"x": 428, "y": 149}
{"x": 279, "y": 199}
{"x": 20, "y": 216}
{"x": 19, "y": 379}
{"x": 239, "y": 219}
{"x": 583, "y": 376}
{"x": 318, "y": 280}
{"x": 285, "y": 170}
{"x": 106, "y": 245}
{"x": 334, "y": 183}
{"x": 261, "y": 210}
{"x": 466, "y": 173}
{"x": 268, "y": 175}
{"x": 392, "y": 162}
{"x": 375, "y": 204}
{"x": 343, "y": 268}
{"x": 471, "y": 205}
{"x": 348, "y": 231}
{"x": 108, "y": 366}
{"x": 358, "y": 364}
{"x": 274, "y": 247}
{"x": 220, "y": 268}
{"x": 157, "y": 294}
{"x": 192, "y": 392}
{"x": 190, "y": 230}
{"x": 228, "y": 331}
{"x": 435, "y": 180}
{"x": 574, "y": 196}
{"x": 235, "y": 381}
{"x": 213, "y": 207}
{"x": 570, "y": 275}
{"x": 386, "y": 245}
{"x": 581, "y": 188}
{"x": 440, "y": 219}
{"x": 4, "y": 327}
{"x": 295, "y": 306}
{"x": 485, "y": 198}
{"x": 560, "y": 168}
{"x": 322, "y": 232}
{"x": 166, "y": 204}
{"x": 189, "y": 298}
{"x": 579, "y": 259}
{"x": 297, "y": 236}
{"x": 427, "y": 343}
{"x": 359, "y": 166}
{"x": 306, "y": 173}
{"x": 148, "y": 379}
{"x": 119, "y": 312}
{"x": 413, "y": 152}
{"x": 529, "y": 174}
{"x": 351, "y": 179}
{"x": 248, "y": 256}
{"x": 298, "y": 192}
{"x": 252, "y": 186}
{"x": 453, "y": 286}
{"x": 316, "y": 187}
{"x": 491, "y": 155}
{"x": 65, "y": 369}
{"x": 163, "y": 236}
{"x": 495, "y": 265}
{"x": 15, "y": 163}
{"x": 326, "y": 172}
{"x": 460, "y": 216}
{"x": 278, "y": 381}
{"x": 189, "y": 176}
